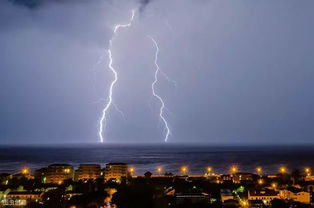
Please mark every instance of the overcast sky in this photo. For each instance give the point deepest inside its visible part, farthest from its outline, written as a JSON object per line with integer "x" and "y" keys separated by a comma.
{"x": 244, "y": 70}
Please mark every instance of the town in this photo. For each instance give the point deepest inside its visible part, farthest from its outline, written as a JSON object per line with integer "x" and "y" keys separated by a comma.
{"x": 117, "y": 186}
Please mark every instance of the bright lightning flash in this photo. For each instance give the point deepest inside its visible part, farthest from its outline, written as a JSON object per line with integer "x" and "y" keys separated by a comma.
{"x": 103, "y": 119}
{"x": 158, "y": 97}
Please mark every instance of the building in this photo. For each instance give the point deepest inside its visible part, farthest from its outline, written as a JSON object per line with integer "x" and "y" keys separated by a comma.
{"x": 41, "y": 175}
{"x": 87, "y": 171}
{"x": 265, "y": 195}
{"x": 192, "y": 199}
{"x": 257, "y": 204}
{"x": 309, "y": 178}
{"x": 116, "y": 171}
{"x": 243, "y": 177}
{"x": 57, "y": 173}
{"x": 231, "y": 203}
{"x": 22, "y": 175}
{"x": 226, "y": 195}
{"x": 24, "y": 195}
{"x": 4, "y": 178}
{"x": 226, "y": 178}
{"x": 296, "y": 195}
{"x": 20, "y": 198}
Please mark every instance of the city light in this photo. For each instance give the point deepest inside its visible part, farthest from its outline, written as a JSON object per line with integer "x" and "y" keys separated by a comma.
{"x": 234, "y": 169}
{"x": 308, "y": 171}
{"x": 184, "y": 169}
{"x": 159, "y": 170}
{"x": 132, "y": 170}
{"x": 260, "y": 181}
{"x": 259, "y": 170}
{"x": 25, "y": 171}
{"x": 274, "y": 185}
{"x": 156, "y": 104}
{"x": 283, "y": 170}
{"x": 67, "y": 170}
{"x": 244, "y": 203}
{"x": 64, "y": 173}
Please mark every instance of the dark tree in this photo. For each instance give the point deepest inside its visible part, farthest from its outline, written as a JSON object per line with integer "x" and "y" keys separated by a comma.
{"x": 277, "y": 203}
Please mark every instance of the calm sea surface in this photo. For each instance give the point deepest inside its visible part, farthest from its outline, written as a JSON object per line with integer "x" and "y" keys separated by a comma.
{"x": 170, "y": 157}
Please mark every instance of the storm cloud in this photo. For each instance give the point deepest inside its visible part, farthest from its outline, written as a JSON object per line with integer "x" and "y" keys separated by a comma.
{"x": 244, "y": 70}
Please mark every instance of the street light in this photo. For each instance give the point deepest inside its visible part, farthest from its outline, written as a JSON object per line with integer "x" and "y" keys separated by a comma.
{"x": 209, "y": 170}
{"x": 244, "y": 203}
{"x": 308, "y": 171}
{"x": 234, "y": 169}
{"x": 259, "y": 170}
{"x": 260, "y": 181}
{"x": 283, "y": 170}
{"x": 274, "y": 185}
{"x": 184, "y": 169}
{"x": 159, "y": 170}
{"x": 132, "y": 170}
{"x": 25, "y": 171}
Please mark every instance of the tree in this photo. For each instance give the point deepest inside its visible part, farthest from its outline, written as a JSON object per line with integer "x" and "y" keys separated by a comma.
{"x": 277, "y": 203}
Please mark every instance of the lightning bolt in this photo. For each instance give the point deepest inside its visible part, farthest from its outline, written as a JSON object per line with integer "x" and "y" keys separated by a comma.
{"x": 103, "y": 118}
{"x": 158, "y": 97}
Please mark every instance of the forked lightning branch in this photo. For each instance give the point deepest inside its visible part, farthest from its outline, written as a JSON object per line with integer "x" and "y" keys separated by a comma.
{"x": 104, "y": 116}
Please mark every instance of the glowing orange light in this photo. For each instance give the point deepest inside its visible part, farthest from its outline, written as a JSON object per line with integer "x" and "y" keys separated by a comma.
{"x": 25, "y": 171}
{"x": 260, "y": 181}
{"x": 259, "y": 170}
{"x": 244, "y": 203}
{"x": 283, "y": 170}
{"x": 159, "y": 170}
{"x": 307, "y": 170}
{"x": 184, "y": 169}
{"x": 209, "y": 169}
{"x": 234, "y": 169}
{"x": 132, "y": 170}
{"x": 67, "y": 170}
{"x": 274, "y": 185}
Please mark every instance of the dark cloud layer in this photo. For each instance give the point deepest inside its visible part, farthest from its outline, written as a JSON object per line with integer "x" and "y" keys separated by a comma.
{"x": 244, "y": 70}
{"x": 37, "y": 3}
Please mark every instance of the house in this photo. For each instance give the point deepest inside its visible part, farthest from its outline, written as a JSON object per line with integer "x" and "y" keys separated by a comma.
{"x": 226, "y": 194}
{"x": 24, "y": 195}
{"x": 296, "y": 195}
{"x": 265, "y": 195}
{"x": 191, "y": 199}
{"x": 243, "y": 177}
{"x": 87, "y": 171}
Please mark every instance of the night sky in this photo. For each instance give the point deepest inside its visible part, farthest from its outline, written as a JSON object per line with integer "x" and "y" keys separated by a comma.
{"x": 244, "y": 70}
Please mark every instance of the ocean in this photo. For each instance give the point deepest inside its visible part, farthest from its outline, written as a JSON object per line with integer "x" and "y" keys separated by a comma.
{"x": 170, "y": 157}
